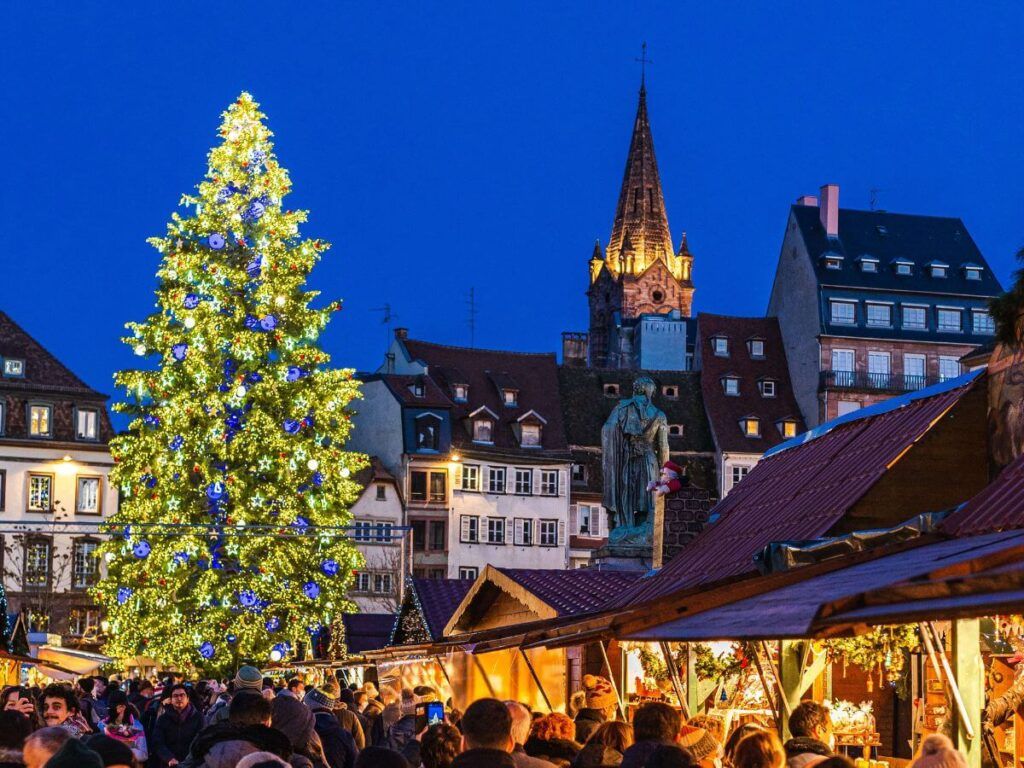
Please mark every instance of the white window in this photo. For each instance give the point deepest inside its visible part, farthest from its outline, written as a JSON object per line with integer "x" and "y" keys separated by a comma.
{"x": 14, "y": 367}
{"x": 382, "y": 583}
{"x": 982, "y": 322}
{"x": 470, "y": 529}
{"x": 949, "y": 320}
{"x": 949, "y": 368}
{"x": 670, "y": 391}
{"x": 40, "y": 493}
{"x": 495, "y": 530}
{"x": 87, "y": 498}
{"x": 879, "y": 369}
{"x": 468, "y": 573}
{"x": 508, "y": 396}
{"x": 904, "y": 268}
{"x": 756, "y": 347}
{"x": 460, "y": 393}
{"x": 470, "y": 477}
{"x": 87, "y": 424}
{"x": 731, "y": 385}
{"x": 524, "y": 481}
{"x": 720, "y": 345}
{"x": 495, "y": 479}
{"x": 86, "y": 565}
{"x": 362, "y": 582}
{"x": 843, "y": 312}
{"x": 737, "y": 473}
{"x": 847, "y": 406}
{"x": 915, "y": 318}
{"x": 767, "y": 387}
{"x": 530, "y": 435}
{"x": 482, "y": 430}
{"x": 751, "y": 426}
{"x": 843, "y": 374}
{"x": 833, "y": 263}
{"x": 523, "y": 532}
{"x": 586, "y": 520}
{"x": 549, "y": 482}
{"x": 788, "y": 428}
{"x": 363, "y": 530}
{"x": 675, "y": 430}
{"x": 418, "y": 390}
{"x": 913, "y": 371}
{"x": 972, "y": 273}
{"x": 39, "y": 420}
{"x": 549, "y": 533}
{"x": 868, "y": 265}
{"x": 879, "y": 315}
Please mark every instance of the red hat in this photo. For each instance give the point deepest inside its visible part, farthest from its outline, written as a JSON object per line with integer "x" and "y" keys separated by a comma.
{"x": 671, "y": 466}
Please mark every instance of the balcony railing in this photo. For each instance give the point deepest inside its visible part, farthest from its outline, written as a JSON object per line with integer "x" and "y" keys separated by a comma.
{"x": 880, "y": 382}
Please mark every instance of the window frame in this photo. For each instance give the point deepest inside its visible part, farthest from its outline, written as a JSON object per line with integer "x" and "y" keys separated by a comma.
{"x": 480, "y": 421}
{"x": 28, "y": 496}
{"x": 745, "y": 423}
{"x": 423, "y": 421}
{"x": 990, "y": 326}
{"x": 78, "y": 414}
{"x": 32, "y": 405}
{"x": 381, "y": 491}
{"x": 541, "y": 534}
{"x": 885, "y": 322}
{"x": 510, "y": 397}
{"x": 922, "y": 326}
{"x": 972, "y": 273}
{"x": 492, "y": 473}
{"x": 768, "y": 387}
{"x": 726, "y": 381}
{"x": 948, "y": 311}
{"x": 522, "y": 478}
{"x": 670, "y": 391}
{"x": 722, "y": 351}
{"x": 679, "y": 430}
{"x": 460, "y": 393}
{"x": 473, "y": 525}
{"x": 99, "y": 494}
{"x": 834, "y": 304}
{"x": 948, "y": 359}
{"x": 77, "y": 545}
{"x": 752, "y": 344}
{"x": 527, "y": 539}
{"x": 466, "y": 472}
{"x": 610, "y": 389}
{"x": 432, "y": 527}
{"x": 468, "y": 572}
{"x": 539, "y": 430}
{"x": 549, "y": 485}
{"x": 6, "y": 373}
{"x": 30, "y": 540}
{"x": 737, "y": 469}
{"x": 3, "y": 505}
{"x": 785, "y": 425}
{"x": 492, "y": 523}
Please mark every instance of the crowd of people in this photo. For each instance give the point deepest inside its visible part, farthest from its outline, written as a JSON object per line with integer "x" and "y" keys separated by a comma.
{"x": 255, "y": 722}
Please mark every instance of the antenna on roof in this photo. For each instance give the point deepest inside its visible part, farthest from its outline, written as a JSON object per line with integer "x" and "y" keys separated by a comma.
{"x": 471, "y": 313}
{"x": 388, "y": 317}
{"x": 873, "y": 200}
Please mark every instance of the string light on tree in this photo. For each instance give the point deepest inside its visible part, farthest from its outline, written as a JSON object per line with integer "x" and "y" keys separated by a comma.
{"x": 237, "y": 422}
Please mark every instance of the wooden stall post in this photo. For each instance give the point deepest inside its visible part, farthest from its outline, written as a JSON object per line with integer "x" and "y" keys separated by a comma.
{"x": 673, "y": 671}
{"x": 693, "y": 702}
{"x": 969, "y": 677}
{"x": 536, "y": 679}
{"x": 799, "y": 667}
{"x": 611, "y": 679}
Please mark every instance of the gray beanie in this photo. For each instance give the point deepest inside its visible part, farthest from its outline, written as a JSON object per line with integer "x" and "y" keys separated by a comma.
{"x": 248, "y": 679}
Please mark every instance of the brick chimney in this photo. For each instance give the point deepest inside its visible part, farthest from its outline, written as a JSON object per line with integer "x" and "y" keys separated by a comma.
{"x": 829, "y": 209}
{"x": 401, "y": 334}
{"x": 809, "y": 200}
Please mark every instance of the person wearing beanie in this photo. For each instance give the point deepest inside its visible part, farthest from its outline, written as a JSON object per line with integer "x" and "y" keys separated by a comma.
{"x": 701, "y": 744}
{"x": 246, "y": 730}
{"x": 74, "y": 754}
{"x": 937, "y": 751}
{"x": 351, "y": 720}
{"x": 296, "y": 721}
{"x": 338, "y": 744}
{"x": 113, "y": 753}
{"x": 262, "y": 760}
{"x": 600, "y": 706}
{"x": 404, "y": 729}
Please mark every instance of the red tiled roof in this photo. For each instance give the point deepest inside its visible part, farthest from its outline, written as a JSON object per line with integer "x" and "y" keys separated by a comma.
{"x": 438, "y": 598}
{"x": 799, "y": 493}
{"x": 573, "y": 591}
{"x": 999, "y": 506}
{"x": 43, "y": 371}
{"x": 725, "y": 411}
{"x": 586, "y": 542}
{"x": 535, "y": 376}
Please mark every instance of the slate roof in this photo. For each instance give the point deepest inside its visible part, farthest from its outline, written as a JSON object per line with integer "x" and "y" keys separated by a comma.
{"x": 401, "y": 387}
{"x": 572, "y": 591}
{"x": 438, "y": 599}
{"x": 999, "y": 506}
{"x": 535, "y": 376}
{"x": 367, "y": 631}
{"x": 918, "y": 239}
{"x": 375, "y": 471}
{"x": 802, "y": 489}
{"x": 43, "y": 371}
{"x": 726, "y": 411}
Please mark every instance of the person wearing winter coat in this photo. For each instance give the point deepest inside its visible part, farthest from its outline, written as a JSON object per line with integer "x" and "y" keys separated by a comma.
{"x": 122, "y": 724}
{"x": 246, "y": 730}
{"x": 654, "y": 724}
{"x": 14, "y": 729}
{"x": 338, "y": 744}
{"x": 295, "y": 720}
{"x": 606, "y": 746}
{"x": 486, "y": 736}
{"x": 600, "y": 701}
{"x": 345, "y": 712}
{"x": 551, "y": 738}
{"x": 811, "y": 727}
{"x": 521, "y": 722}
{"x": 175, "y": 728}
{"x": 403, "y": 730}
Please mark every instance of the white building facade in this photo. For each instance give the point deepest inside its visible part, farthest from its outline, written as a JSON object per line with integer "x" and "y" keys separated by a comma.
{"x": 380, "y": 535}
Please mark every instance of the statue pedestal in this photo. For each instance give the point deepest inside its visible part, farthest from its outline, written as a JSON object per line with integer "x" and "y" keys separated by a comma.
{"x": 637, "y": 548}
{"x": 609, "y": 558}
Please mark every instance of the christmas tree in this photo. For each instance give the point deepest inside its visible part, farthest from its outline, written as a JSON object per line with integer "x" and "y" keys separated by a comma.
{"x": 230, "y": 542}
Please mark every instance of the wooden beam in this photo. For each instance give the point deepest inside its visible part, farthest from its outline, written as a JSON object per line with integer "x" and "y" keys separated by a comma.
{"x": 968, "y": 685}
{"x": 536, "y": 679}
{"x": 611, "y": 679}
{"x": 673, "y": 672}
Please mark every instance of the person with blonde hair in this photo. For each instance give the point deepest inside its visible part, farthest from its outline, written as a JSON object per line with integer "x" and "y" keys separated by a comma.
{"x": 761, "y": 749}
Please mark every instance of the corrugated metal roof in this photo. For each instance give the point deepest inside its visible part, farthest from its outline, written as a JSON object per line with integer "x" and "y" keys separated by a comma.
{"x": 999, "y": 506}
{"x": 575, "y": 591}
{"x": 791, "y": 611}
{"x": 796, "y": 494}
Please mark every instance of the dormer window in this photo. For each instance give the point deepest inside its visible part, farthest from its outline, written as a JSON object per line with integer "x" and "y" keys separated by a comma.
{"x": 767, "y": 387}
{"x": 675, "y": 430}
{"x": 509, "y": 397}
{"x": 531, "y": 436}
{"x": 611, "y": 390}
{"x": 751, "y": 426}
{"x": 879, "y": 315}
{"x": 756, "y": 348}
{"x": 670, "y": 391}
{"x": 938, "y": 268}
{"x": 460, "y": 393}
{"x": 731, "y": 385}
{"x": 87, "y": 424}
{"x": 483, "y": 430}
{"x": 868, "y": 264}
{"x": 428, "y": 432}
{"x": 720, "y": 346}
{"x": 530, "y": 428}
{"x": 832, "y": 260}
{"x": 787, "y": 427}
{"x": 842, "y": 312}
{"x": 903, "y": 268}
{"x": 418, "y": 389}
{"x": 14, "y": 366}
{"x": 972, "y": 272}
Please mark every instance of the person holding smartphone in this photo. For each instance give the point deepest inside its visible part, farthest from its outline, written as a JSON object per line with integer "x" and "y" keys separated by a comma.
{"x": 18, "y": 698}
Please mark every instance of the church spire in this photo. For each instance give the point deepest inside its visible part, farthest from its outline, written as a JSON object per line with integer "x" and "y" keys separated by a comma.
{"x": 641, "y": 209}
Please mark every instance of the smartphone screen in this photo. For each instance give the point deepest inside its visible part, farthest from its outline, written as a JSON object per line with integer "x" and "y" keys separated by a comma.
{"x": 435, "y": 712}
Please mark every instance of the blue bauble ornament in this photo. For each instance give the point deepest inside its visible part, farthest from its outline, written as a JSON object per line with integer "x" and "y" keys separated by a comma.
{"x": 216, "y": 491}
{"x": 254, "y": 267}
{"x": 151, "y": 421}
{"x": 149, "y": 481}
{"x": 206, "y": 650}
{"x": 256, "y": 159}
{"x": 294, "y": 373}
{"x": 255, "y": 378}
{"x": 216, "y": 241}
{"x": 126, "y": 534}
{"x": 191, "y": 301}
{"x": 247, "y": 598}
{"x": 253, "y": 211}
{"x": 252, "y": 322}
{"x": 311, "y": 590}
{"x": 180, "y": 558}
{"x": 142, "y": 549}
{"x": 291, "y": 426}
{"x": 124, "y": 594}
{"x": 268, "y": 322}
{"x": 176, "y": 443}
{"x": 273, "y": 624}
{"x": 318, "y": 479}
{"x": 301, "y": 524}
{"x": 179, "y": 351}
{"x": 330, "y": 567}
{"x": 231, "y": 639}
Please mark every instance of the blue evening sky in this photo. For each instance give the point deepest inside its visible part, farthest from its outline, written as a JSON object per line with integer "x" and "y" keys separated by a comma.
{"x": 444, "y": 146}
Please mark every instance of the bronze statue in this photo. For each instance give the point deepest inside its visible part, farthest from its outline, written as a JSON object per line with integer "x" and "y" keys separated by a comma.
{"x": 634, "y": 445}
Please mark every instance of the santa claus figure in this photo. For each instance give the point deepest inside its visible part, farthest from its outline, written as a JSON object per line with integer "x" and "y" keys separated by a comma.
{"x": 670, "y": 480}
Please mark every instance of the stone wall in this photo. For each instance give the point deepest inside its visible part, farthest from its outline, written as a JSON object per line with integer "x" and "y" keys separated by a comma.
{"x": 686, "y": 515}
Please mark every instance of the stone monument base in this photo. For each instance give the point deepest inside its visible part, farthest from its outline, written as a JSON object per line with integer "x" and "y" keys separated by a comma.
{"x": 622, "y": 558}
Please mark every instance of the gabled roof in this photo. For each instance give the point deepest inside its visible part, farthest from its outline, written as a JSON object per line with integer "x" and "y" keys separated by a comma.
{"x": 43, "y": 371}
{"x": 401, "y": 386}
{"x": 432, "y": 602}
{"x": 1000, "y": 506}
{"x": 375, "y": 472}
{"x": 896, "y": 236}
{"x": 726, "y": 411}
{"x": 802, "y": 490}
{"x": 535, "y": 376}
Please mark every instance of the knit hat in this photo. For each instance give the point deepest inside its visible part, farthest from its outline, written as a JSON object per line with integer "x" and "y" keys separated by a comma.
{"x": 292, "y": 718}
{"x": 111, "y": 751}
{"x": 331, "y": 688}
{"x": 671, "y": 466}
{"x": 371, "y": 690}
{"x": 599, "y": 692}
{"x": 937, "y": 751}
{"x": 261, "y": 760}
{"x": 700, "y": 743}
{"x": 319, "y": 698}
{"x": 74, "y": 754}
{"x": 248, "y": 679}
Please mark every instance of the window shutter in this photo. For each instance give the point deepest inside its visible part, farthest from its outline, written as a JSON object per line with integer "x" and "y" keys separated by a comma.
{"x": 563, "y": 482}
{"x": 519, "y": 526}
{"x": 457, "y": 480}
{"x": 464, "y": 523}
{"x": 574, "y": 517}
{"x": 561, "y": 533}
{"x": 535, "y": 481}
{"x": 601, "y": 522}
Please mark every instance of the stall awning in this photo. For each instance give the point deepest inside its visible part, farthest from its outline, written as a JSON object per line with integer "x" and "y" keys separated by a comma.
{"x": 71, "y": 659}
